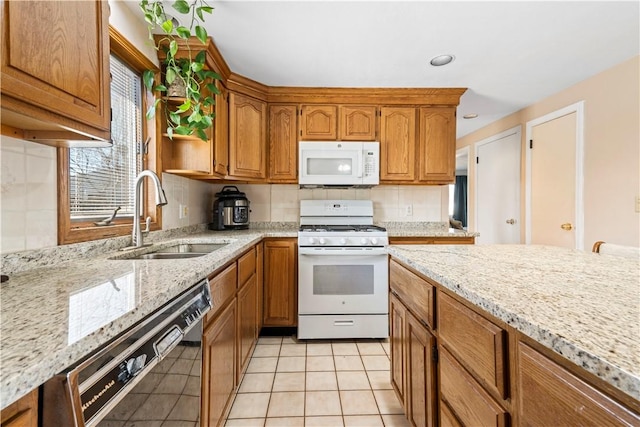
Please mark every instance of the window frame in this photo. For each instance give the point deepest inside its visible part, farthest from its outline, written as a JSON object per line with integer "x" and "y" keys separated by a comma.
{"x": 82, "y": 231}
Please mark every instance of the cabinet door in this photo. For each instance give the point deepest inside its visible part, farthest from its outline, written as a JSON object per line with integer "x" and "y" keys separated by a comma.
{"x": 358, "y": 123}
{"x": 397, "y": 318}
{"x": 283, "y": 143}
{"x": 218, "y": 366}
{"x": 64, "y": 80}
{"x": 247, "y": 137}
{"x": 319, "y": 122}
{"x": 437, "y": 144}
{"x": 551, "y": 395}
{"x": 421, "y": 374}
{"x": 221, "y": 138}
{"x": 247, "y": 323}
{"x": 280, "y": 283}
{"x": 22, "y": 413}
{"x": 397, "y": 144}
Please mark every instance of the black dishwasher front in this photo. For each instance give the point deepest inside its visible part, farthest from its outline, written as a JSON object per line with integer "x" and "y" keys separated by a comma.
{"x": 156, "y": 364}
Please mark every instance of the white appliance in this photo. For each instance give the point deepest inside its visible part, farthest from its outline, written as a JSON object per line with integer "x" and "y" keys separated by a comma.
{"x": 336, "y": 163}
{"x": 343, "y": 272}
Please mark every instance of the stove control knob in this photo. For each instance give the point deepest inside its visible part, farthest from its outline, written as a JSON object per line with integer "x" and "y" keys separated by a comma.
{"x": 323, "y": 241}
{"x": 364, "y": 241}
{"x": 374, "y": 241}
{"x": 312, "y": 240}
{"x": 343, "y": 241}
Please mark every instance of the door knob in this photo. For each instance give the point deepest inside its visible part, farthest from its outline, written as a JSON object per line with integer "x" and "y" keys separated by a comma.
{"x": 511, "y": 221}
{"x": 567, "y": 226}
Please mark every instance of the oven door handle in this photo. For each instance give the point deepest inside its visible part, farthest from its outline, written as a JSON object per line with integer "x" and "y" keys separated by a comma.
{"x": 341, "y": 251}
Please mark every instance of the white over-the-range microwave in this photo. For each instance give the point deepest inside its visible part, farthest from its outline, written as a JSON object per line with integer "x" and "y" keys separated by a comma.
{"x": 339, "y": 163}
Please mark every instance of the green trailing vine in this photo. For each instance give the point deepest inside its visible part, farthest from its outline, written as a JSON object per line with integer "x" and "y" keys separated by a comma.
{"x": 196, "y": 112}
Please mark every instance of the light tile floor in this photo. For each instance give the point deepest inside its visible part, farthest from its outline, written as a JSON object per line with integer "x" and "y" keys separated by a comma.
{"x": 341, "y": 383}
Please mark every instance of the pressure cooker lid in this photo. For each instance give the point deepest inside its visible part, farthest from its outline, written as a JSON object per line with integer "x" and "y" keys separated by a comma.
{"x": 230, "y": 191}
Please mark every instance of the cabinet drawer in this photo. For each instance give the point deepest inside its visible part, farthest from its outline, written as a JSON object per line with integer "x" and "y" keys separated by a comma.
{"x": 477, "y": 343}
{"x": 246, "y": 267}
{"x": 551, "y": 395}
{"x": 416, "y": 293}
{"x": 470, "y": 403}
{"x": 222, "y": 287}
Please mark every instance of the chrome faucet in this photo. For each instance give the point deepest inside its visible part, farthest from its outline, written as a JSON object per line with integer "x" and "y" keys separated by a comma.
{"x": 161, "y": 200}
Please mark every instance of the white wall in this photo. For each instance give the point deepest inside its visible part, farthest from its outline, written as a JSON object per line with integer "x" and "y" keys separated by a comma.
{"x": 281, "y": 203}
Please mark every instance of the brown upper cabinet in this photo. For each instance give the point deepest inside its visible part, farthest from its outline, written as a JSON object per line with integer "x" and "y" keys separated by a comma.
{"x": 283, "y": 143}
{"x": 338, "y": 122}
{"x": 397, "y": 144}
{"x": 58, "y": 92}
{"x": 357, "y": 123}
{"x": 437, "y": 145}
{"x": 319, "y": 122}
{"x": 247, "y": 137}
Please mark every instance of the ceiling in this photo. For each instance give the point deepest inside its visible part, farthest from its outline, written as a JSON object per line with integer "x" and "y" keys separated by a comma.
{"x": 508, "y": 54}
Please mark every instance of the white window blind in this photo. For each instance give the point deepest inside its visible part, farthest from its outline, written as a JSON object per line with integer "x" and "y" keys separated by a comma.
{"x": 101, "y": 179}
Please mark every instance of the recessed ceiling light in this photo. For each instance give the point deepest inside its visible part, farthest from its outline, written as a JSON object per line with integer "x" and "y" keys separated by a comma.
{"x": 441, "y": 60}
{"x": 470, "y": 116}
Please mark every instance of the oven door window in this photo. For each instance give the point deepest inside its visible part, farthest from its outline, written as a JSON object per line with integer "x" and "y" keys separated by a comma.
{"x": 343, "y": 280}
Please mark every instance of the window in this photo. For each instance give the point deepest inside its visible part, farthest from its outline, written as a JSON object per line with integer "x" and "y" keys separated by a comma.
{"x": 93, "y": 182}
{"x": 102, "y": 179}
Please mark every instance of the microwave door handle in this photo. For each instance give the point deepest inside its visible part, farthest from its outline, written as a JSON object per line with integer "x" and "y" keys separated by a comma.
{"x": 360, "y": 163}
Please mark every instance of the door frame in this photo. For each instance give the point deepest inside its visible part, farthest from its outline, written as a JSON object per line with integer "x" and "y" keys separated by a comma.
{"x": 577, "y": 108}
{"x": 464, "y": 151}
{"x": 516, "y": 130}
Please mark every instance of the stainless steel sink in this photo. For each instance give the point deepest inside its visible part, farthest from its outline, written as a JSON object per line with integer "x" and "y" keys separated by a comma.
{"x": 178, "y": 251}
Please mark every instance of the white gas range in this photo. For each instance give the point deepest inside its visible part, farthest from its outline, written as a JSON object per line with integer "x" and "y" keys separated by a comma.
{"x": 342, "y": 271}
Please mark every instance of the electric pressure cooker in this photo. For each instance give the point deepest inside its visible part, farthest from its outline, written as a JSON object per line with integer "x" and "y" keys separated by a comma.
{"x": 230, "y": 210}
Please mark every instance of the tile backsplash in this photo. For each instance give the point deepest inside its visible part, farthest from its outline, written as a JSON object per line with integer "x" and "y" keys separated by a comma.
{"x": 405, "y": 203}
{"x": 28, "y": 195}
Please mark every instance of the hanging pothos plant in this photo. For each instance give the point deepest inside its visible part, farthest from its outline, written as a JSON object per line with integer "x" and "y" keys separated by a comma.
{"x": 194, "y": 112}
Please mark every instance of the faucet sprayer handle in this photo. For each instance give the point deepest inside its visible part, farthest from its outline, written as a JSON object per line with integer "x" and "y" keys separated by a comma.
{"x": 148, "y": 224}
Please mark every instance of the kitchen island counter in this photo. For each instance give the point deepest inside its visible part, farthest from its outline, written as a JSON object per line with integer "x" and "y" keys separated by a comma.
{"x": 581, "y": 305}
{"x": 76, "y": 299}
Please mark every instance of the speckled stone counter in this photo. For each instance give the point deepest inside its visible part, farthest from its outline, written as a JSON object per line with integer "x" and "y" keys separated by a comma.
{"x": 583, "y": 306}
{"x": 424, "y": 229}
{"x": 77, "y": 299}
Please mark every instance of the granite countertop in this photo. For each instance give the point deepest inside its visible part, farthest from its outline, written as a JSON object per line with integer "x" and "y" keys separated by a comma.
{"x": 583, "y": 306}
{"x": 77, "y": 299}
{"x": 424, "y": 229}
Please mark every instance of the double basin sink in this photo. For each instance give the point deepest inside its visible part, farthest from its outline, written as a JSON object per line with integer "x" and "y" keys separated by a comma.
{"x": 177, "y": 251}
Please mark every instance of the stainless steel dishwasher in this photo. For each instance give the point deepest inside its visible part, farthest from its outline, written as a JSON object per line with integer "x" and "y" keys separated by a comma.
{"x": 156, "y": 365}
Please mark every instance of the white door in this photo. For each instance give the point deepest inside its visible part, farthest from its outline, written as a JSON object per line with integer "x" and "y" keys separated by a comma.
{"x": 554, "y": 179}
{"x": 553, "y": 182}
{"x": 498, "y": 188}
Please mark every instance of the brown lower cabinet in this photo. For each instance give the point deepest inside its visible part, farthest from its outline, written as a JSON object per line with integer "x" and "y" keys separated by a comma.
{"x": 22, "y": 413}
{"x": 219, "y": 365}
{"x": 486, "y": 373}
{"x": 230, "y": 333}
{"x": 280, "y": 282}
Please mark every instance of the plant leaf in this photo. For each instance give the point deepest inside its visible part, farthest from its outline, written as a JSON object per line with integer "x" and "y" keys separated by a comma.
{"x": 196, "y": 66}
{"x": 183, "y": 130}
{"x": 207, "y": 9}
{"x": 148, "y": 77}
{"x": 181, "y": 6}
{"x": 160, "y": 88}
{"x": 151, "y": 111}
{"x": 170, "y": 132}
{"x": 201, "y": 57}
{"x": 206, "y": 121}
{"x": 184, "y": 106}
{"x": 173, "y": 48}
{"x": 201, "y": 34}
{"x": 174, "y": 117}
{"x": 171, "y": 75}
{"x": 202, "y": 135}
{"x": 167, "y": 26}
{"x": 183, "y": 32}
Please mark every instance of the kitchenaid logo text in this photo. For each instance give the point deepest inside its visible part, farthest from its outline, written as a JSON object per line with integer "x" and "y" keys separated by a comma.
{"x": 97, "y": 396}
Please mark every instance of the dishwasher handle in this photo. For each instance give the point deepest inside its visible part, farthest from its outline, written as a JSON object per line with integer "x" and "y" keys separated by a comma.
{"x": 168, "y": 341}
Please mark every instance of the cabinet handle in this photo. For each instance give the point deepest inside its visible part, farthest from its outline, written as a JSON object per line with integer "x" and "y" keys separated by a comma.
{"x": 567, "y": 226}
{"x": 343, "y": 323}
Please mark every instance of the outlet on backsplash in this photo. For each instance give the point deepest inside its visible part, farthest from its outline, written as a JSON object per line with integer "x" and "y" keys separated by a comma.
{"x": 184, "y": 211}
